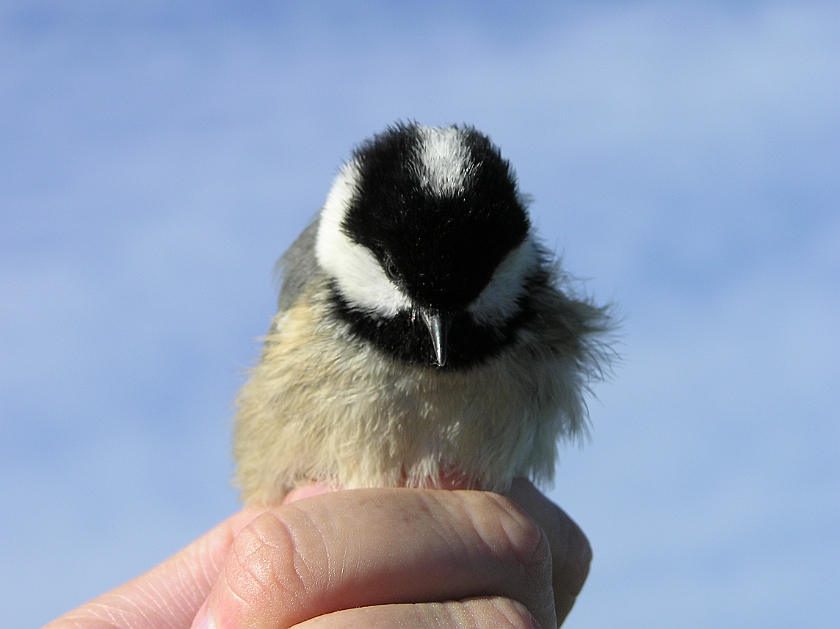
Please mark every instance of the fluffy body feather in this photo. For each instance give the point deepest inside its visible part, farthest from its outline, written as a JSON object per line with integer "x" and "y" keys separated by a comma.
{"x": 351, "y": 390}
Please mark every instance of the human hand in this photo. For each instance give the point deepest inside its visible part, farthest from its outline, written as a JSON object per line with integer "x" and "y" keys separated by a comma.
{"x": 384, "y": 557}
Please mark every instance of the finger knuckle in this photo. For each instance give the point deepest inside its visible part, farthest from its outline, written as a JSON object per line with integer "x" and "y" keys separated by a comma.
{"x": 263, "y": 572}
{"x": 524, "y": 541}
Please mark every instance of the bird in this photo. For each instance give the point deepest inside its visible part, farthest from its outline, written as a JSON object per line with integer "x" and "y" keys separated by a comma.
{"x": 423, "y": 331}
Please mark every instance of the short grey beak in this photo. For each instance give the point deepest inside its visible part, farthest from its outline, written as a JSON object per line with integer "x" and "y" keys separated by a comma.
{"x": 438, "y": 326}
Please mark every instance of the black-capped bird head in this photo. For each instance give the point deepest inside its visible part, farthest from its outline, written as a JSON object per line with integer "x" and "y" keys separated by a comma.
{"x": 422, "y": 332}
{"x": 426, "y": 240}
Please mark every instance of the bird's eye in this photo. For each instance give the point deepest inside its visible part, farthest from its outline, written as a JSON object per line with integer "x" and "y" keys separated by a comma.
{"x": 391, "y": 270}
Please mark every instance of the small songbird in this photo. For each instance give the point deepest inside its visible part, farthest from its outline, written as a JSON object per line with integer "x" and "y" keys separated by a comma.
{"x": 423, "y": 331}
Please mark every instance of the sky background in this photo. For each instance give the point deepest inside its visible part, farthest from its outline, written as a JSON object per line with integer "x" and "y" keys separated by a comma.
{"x": 684, "y": 158}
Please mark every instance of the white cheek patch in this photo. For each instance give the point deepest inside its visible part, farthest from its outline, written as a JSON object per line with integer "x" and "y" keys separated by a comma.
{"x": 357, "y": 272}
{"x": 497, "y": 303}
{"x": 444, "y": 161}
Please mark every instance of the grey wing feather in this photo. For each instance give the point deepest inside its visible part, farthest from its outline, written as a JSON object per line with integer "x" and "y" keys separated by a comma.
{"x": 297, "y": 266}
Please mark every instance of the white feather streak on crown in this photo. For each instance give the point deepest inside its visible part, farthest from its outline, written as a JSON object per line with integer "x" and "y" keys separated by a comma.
{"x": 444, "y": 160}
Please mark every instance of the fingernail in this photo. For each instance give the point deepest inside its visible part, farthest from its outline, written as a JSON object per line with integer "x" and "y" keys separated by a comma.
{"x": 308, "y": 491}
{"x": 203, "y": 620}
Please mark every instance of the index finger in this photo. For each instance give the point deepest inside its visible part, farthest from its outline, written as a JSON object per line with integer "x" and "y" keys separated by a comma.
{"x": 359, "y": 548}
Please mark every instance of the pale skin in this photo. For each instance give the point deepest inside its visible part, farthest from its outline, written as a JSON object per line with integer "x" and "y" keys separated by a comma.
{"x": 364, "y": 558}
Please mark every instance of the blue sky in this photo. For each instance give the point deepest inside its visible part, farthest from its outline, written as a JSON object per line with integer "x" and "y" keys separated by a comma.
{"x": 683, "y": 158}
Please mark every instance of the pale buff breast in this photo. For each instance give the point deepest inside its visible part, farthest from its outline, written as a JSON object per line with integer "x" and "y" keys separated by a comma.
{"x": 322, "y": 405}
